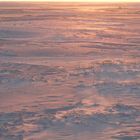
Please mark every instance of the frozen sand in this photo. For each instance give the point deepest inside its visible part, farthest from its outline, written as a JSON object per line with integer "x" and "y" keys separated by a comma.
{"x": 69, "y": 71}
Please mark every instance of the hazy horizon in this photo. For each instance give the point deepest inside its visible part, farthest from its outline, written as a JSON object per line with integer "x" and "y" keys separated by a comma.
{"x": 70, "y": 1}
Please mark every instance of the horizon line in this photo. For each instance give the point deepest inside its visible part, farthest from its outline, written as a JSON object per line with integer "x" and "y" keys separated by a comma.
{"x": 42, "y": 1}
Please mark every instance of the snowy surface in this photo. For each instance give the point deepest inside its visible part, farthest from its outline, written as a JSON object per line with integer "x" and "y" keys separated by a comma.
{"x": 69, "y": 71}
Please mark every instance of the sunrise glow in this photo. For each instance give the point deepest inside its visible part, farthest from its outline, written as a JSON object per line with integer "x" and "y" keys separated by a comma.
{"x": 76, "y": 0}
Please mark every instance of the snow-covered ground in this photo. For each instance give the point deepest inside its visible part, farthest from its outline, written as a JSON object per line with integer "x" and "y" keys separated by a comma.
{"x": 69, "y": 71}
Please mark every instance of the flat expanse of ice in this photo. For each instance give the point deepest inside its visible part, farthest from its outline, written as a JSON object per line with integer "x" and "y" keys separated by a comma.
{"x": 69, "y": 71}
